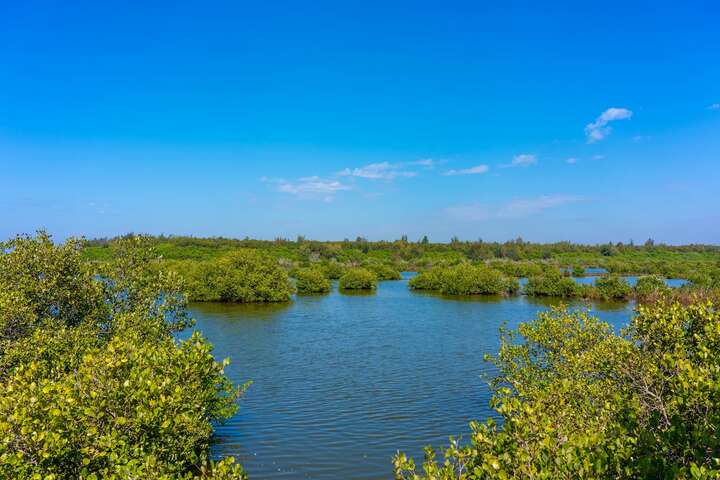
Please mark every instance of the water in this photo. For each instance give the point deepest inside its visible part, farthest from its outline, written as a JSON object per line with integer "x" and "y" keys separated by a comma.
{"x": 341, "y": 382}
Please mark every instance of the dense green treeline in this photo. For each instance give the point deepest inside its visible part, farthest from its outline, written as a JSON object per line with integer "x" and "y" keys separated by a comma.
{"x": 229, "y": 270}
{"x": 697, "y": 263}
{"x": 578, "y": 401}
{"x": 94, "y": 384}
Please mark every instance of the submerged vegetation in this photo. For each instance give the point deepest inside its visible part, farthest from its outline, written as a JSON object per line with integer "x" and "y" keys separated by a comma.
{"x": 578, "y": 401}
{"x": 93, "y": 383}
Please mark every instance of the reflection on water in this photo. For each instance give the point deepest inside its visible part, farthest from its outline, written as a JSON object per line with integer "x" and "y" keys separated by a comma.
{"x": 341, "y": 382}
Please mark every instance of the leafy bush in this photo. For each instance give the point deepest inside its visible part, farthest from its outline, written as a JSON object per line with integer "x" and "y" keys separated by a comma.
{"x": 464, "y": 279}
{"x": 650, "y": 286}
{"x": 384, "y": 272}
{"x": 578, "y": 401}
{"x": 241, "y": 276}
{"x": 578, "y": 271}
{"x": 333, "y": 270}
{"x": 358, "y": 279}
{"x": 428, "y": 280}
{"x": 612, "y": 287}
{"x": 470, "y": 280}
{"x": 553, "y": 285}
{"x": 94, "y": 385}
{"x": 311, "y": 280}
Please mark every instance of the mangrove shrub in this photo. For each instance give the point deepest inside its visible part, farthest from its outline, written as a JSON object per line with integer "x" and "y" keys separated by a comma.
{"x": 242, "y": 276}
{"x": 93, "y": 383}
{"x": 358, "y": 279}
{"x": 552, "y": 285}
{"x": 612, "y": 287}
{"x": 578, "y": 401}
{"x": 311, "y": 280}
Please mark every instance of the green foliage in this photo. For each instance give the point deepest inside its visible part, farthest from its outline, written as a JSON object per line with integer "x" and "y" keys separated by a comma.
{"x": 612, "y": 287}
{"x": 464, "y": 279}
{"x": 429, "y": 279}
{"x": 241, "y": 276}
{"x": 384, "y": 272}
{"x": 650, "y": 286}
{"x": 470, "y": 280}
{"x": 311, "y": 280}
{"x": 578, "y": 271}
{"x": 554, "y": 285}
{"x": 94, "y": 384}
{"x": 358, "y": 279}
{"x": 333, "y": 270}
{"x": 578, "y": 401}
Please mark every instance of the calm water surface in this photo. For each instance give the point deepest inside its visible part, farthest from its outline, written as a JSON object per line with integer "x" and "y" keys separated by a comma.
{"x": 341, "y": 382}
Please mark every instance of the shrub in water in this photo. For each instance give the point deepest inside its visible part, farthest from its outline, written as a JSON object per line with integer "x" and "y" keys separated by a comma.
{"x": 471, "y": 280}
{"x": 552, "y": 285}
{"x": 612, "y": 287}
{"x": 242, "y": 276}
{"x": 650, "y": 286}
{"x": 428, "y": 280}
{"x": 358, "y": 279}
{"x": 579, "y": 401}
{"x": 311, "y": 280}
{"x": 384, "y": 272}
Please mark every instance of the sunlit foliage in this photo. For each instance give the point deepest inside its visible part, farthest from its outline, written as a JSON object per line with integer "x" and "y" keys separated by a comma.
{"x": 358, "y": 279}
{"x": 310, "y": 281}
{"x": 579, "y": 401}
{"x": 93, "y": 383}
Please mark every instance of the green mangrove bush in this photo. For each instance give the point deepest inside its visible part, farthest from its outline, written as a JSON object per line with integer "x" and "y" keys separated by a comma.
{"x": 578, "y": 401}
{"x": 464, "y": 279}
{"x": 93, "y": 383}
{"x": 333, "y": 270}
{"x": 241, "y": 276}
{"x": 384, "y": 272}
{"x": 612, "y": 287}
{"x": 429, "y": 279}
{"x": 553, "y": 285}
{"x": 649, "y": 286}
{"x": 358, "y": 279}
{"x": 310, "y": 281}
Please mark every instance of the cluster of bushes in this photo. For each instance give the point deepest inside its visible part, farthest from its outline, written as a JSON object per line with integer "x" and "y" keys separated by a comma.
{"x": 93, "y": 383}
{"x": 464, "y": 279}
{"x": 241, "y": 276}
{"x": 384, "y": 272}
{"x": 358, "y": 279}
{"x": 554, "y": 285}
{"x": 699, "y": 263}
{"x": 311, "y": 281}
{"x": 579, "y": 401}
{"x": 607, "y": 287}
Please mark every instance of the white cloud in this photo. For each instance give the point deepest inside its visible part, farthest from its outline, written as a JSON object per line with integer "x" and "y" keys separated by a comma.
{"x": 425, "y": 162}
{"x": 598, "y": 157}
{"x": 600, "y": 128}
{"x": 309, "y": 187}
{"x": 378, "y": 171}
{"x": 518, "y": 208}
{"x": 522, "y": 160}
{"x": 468, "y": 171}
{"x": 571, "y": 161}
{"x": 714, "y": 106}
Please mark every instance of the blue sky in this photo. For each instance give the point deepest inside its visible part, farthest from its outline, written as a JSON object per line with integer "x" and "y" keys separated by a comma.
{"x": 588, "y": 122}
